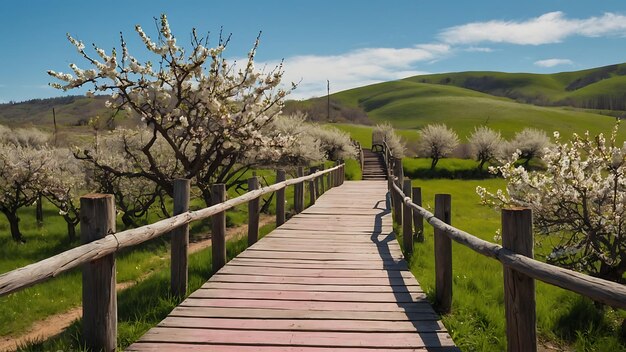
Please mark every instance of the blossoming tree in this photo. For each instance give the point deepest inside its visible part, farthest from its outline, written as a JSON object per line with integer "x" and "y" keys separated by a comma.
{"x": 436, "y": 141}
{"x": 208, "y": 112}
{"x": 579, "y": 201}
{"x": 485, "y": 145}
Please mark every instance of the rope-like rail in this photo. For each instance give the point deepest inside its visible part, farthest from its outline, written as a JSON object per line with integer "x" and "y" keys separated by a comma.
{"x": 53, "y": 266}
{"x": 608, "y": 292}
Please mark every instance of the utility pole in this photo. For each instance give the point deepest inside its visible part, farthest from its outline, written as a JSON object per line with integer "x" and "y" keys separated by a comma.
{"x": 328, "y": 100}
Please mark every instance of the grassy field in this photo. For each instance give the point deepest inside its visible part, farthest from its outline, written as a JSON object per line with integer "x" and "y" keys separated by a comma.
{"x": 565, "y": 319}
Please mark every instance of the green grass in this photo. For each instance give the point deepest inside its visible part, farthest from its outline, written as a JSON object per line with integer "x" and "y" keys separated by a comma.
{"x": 477, "y": 319}
{"x": 411, "y": 105}
{"x": 144, "y": 305}
{"x": 19, "y": 310}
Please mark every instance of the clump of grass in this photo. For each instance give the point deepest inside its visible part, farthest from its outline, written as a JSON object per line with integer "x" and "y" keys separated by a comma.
{"x": 477, "y": 321}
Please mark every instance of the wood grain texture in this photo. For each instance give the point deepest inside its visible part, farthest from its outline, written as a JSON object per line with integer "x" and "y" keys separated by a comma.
{"x": 180, "y": 240}
{"x": 331, "y": 278}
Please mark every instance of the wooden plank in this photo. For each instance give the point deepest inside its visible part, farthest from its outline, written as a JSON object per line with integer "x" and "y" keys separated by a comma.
{"x": 298, "y": 338}
{"x": 309, "y": 305}
{"x": 400, "y": 296}
{"x": 167, "y": 346}
{"x": 303, "y": 325}
{"x": 377, "y": 281}
{"x": 264, "y": 313}
{"x": 321, "y": 256}
{"x": 284, "y": 272}
{"x": 311, "y": 288}
{"x": 389, "y": 266}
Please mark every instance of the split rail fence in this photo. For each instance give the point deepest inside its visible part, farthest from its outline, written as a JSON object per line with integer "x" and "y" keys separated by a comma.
{"x": 101, "y": 242}
{"x": 515, "y": 254}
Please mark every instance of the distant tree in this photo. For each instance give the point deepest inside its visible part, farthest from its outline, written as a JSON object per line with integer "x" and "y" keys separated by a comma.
{"x": 485, "y": 145}
{"x": 207, "y": 113}
{"x": 386, "y": 132}
{"x": 530, "y": 142}
{"x": 23, "y": 176}
{"x": 436, "y": 142}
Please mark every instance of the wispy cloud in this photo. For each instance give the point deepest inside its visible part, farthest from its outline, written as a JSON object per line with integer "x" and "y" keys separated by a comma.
{"x": 356, "y": 68}
{"x": 552, "y": 27}
{"x": 478, "y": 49}
{"x": 553, "y": 62}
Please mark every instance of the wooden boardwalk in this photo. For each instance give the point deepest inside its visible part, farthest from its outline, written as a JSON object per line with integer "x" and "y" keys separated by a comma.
{"x": 330, "y": 279}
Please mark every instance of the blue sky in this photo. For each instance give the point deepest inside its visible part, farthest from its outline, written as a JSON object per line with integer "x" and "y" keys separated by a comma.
{"x": 351, "y": 43}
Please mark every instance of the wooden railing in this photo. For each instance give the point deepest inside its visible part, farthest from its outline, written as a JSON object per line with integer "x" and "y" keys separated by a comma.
{"x": 515, "y": 254}
{"x": 97, "y": 255}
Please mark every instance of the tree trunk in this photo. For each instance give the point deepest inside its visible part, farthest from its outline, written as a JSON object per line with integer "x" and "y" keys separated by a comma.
{"x": 433, "y": 163}
{"x": 39, "y": 210}
{"x": 14, "y": 222}
{"x": 71, "y": 228}
{"x": 128, "y": 221}
{"x": 482, "y": 163}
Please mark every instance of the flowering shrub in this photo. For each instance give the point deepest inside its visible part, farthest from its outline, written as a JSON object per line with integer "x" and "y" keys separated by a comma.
{"x": 207, "y": 113}
{"x": 579, "y": 201}
{"x": 385, "y": 132}
{"x": 530, "y": 142}
{"x": 485, "y": 145}
{"x": 436, "y": 142}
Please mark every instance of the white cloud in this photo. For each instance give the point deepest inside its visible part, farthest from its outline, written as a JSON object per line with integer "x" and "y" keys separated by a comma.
{"x": 478, "y": 49}
{"x": 356, "y": 68}
{"x": 552, "y": 27}
{"x": 553, "y": 62}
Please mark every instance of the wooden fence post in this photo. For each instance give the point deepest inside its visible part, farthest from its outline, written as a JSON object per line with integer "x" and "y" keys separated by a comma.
{"x": 407, "y": 221}
{"x": 298, "y": 193}
{"x": 218, "y": 228}
{"x": 399, "y": 174}
{"x": 280, "y": 199}
{"x": 97, "y": 219}
{"x": 180, "y": 240}
{"x": 322, "y": 187}
{"x": 329, "y": 181}
{"x": 443, "y": 256}
{"x": 418, "y": 220}
{"x": 312, "y": 194}
{"x": 253, "y": 213}
{"x": 519, "y": 289}
{"x": 316, "y": 182}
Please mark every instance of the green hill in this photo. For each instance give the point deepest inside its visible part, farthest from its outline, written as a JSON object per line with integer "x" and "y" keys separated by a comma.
{"x": 411, "y": 104}
{"x": 598, "y": 88}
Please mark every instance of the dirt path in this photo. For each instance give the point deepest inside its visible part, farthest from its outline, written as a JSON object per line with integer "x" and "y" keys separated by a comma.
{"x": 54, "y": 325}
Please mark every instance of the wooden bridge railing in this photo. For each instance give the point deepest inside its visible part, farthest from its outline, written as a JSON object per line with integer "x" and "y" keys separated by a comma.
{"x": 516, "y": 256}
{"x": 97, "y": 255}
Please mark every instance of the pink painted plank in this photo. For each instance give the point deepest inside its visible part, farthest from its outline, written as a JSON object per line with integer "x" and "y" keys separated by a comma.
{"x": 298, "y": 338}
{"x": 303, "y": 325}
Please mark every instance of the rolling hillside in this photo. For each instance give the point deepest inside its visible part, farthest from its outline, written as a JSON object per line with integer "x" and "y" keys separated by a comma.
{"x": 410, "y": 105}
{"x": 598, "y": 88}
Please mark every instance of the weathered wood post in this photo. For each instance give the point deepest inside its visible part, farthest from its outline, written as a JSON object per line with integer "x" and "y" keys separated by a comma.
{"x": 418, "y": 220}
{"x": 329, "y": 180}
{"x": 322, "y": 187}
{"x": 316, "y": 183}
{"x": 407, "y": 221}
{"x": 443, "y": 256}
{"x": 312, "y": 193}
{"x": 97, "y": 219}
{"x": 280, "y": 199}
{"x": 361, "y": 157}
{"x": 342, "y": 174}
{"x": 218, "y": 228}
{"x": 253, "y": 213}
{"x": 298, "y": 193}
{"x": 399, "y": 174}
{"x": 519, "y": 289}
{"x": 180, "y": 240}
